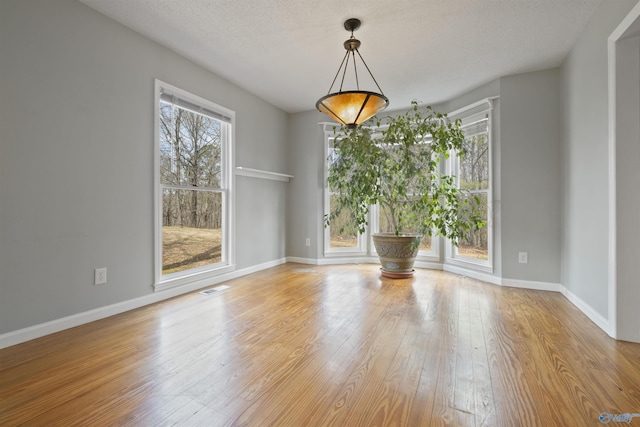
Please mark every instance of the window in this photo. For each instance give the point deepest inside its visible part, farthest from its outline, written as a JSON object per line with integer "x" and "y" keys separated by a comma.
{"x": 473, "y": 173}
{"x": 342, "y": 237}
{"x": 193, "y": 165}
{"x": 383, "y": 221}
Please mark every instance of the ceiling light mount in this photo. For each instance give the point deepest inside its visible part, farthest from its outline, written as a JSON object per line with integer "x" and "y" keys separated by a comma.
{"x": 352, "y": 24}
{"x": 352, "y": 107}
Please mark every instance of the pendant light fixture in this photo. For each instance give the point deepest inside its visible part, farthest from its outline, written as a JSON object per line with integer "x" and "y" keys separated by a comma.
{"x": 352, "y": 107}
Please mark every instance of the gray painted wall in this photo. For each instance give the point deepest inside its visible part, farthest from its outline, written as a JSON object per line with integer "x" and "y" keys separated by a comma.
{"x": 76, "y": 160}
{"x": 584, "y": 159}
{"x": 627, "y": 178}
{"x": 531, "y": 182}
{"x": 306, "y": 191}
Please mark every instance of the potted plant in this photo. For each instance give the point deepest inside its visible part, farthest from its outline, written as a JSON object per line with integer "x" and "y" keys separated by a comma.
{"x": 396, "y": 164}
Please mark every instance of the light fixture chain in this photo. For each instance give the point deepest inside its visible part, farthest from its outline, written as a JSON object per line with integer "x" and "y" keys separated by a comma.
{"x": 344, "y": 73}
{"x": 344, "y": 58}
{"x": 355, "y": 68}
{"x": 370, "y": 73}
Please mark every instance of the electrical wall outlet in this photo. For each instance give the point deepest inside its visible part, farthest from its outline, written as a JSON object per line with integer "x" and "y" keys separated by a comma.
{"x": 523, "y": 257}
{"x": 100, "y": 276}
{"x": 307, "y": 242}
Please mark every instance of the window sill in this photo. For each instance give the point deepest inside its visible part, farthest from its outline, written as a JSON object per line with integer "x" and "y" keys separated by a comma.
{"x": 190, "y": 279}
{"x": 471, "y": 264}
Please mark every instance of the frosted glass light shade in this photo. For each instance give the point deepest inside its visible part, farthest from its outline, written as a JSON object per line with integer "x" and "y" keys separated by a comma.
{"x": 352, "y": 108}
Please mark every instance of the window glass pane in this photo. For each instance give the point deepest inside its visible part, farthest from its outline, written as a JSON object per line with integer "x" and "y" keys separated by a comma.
{"x": 476, "y": 243}
{"x": 473, "y": 174}
{"x": 343, "y": 234}
{"x": 474, "y": 164}
{"x": 191, "y": 229}
{"x": 190, "y": 148}
{"x": 425, "y": 244}
{"x": 384, "y": 226}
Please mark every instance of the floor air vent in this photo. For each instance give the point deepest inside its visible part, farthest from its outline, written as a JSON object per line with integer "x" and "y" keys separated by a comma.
{"x": 214, "y": 290}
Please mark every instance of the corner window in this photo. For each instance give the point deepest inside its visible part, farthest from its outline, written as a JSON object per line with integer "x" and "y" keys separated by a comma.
{"x": 193, "y": 164}
{"x": 473, "y": 174}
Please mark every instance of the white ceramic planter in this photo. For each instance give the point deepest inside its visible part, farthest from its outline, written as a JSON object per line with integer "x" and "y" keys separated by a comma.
{"x": 397, "y": 253}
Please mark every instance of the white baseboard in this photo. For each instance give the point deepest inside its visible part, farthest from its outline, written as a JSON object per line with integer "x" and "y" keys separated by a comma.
{"x": 300, "y": 260}
{"x": 42, "y": 329}
{"x": 429, "y": 265}
{"x": 478, "y": 275}
{"x": 530, "y": 284}
{"x": 585, "y": 308}
{"x": 600, "y": 321}
{"x": 355, "y": 260}
{"x": 588, "y": 311}
{"x": 334, "y": 260}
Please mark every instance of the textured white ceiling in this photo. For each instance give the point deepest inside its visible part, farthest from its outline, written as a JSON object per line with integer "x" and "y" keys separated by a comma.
{"x": 288, "y": 51}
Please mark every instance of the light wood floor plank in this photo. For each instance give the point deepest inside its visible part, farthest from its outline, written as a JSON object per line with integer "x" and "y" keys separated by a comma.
{"x": 300, "y": 345}
{"x": 511, "y": 393}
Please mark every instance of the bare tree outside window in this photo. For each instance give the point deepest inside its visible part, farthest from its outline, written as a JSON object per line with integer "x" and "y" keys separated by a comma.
{"x": 191, "y": 182}
{"x": 473, "y": 175}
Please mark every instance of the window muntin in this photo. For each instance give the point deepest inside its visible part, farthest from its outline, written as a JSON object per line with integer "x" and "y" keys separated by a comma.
{"x": 193, "y": 178}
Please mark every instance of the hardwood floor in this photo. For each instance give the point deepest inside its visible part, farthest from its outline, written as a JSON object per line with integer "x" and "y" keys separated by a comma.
{"x": 301, "y": 345}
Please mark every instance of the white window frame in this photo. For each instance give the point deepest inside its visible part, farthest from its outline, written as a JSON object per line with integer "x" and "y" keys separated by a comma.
{"x": 163, "y": 282}
{"x": 361, "y": 248}
{"x": 468, "y": 115}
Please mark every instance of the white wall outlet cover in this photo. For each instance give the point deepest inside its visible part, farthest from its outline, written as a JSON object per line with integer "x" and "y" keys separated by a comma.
{"x": 523, "y": 257}
{"x": 100, "y": 276}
